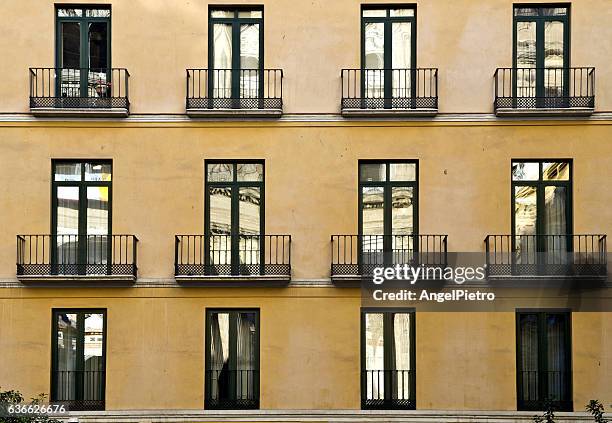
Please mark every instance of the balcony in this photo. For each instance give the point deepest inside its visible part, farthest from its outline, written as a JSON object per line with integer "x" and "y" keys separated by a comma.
{"x": 389, "y": 92}
{"x": 232, "y": 389}
{"x": 233, "y": 259}
{"x": 228, "y": 92}
{"x": 388, "y": 390}
{"x": 43, "y": 258}
{"x": 544, "y": 91}
{"x": 548, "y": 256}
{"x": 81, "y": 92}
{"x": 79, "y": 390}
{"x": 354, "y": 257}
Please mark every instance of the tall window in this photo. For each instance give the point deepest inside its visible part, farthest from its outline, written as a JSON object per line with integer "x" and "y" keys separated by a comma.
{"x": 542, "y": 210}
{"x": 83, "y": 51}
{"x": 544, "y": 360}
{"x": 232, "y": 359}
{"x": 234, "y": 216}
{"x": 388, "y": 52}
{"x": 388, "y": 377}
{"x": 236, "y": 52}
{"x": 388, "y": 211}
{"x": 81, "y": 215}
{"x": 79, "y": 358}
{"x": 541, "y": 50}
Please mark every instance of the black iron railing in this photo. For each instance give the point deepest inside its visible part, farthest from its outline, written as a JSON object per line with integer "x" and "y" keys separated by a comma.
{"x": 237, "y": 255}
{"x": 79, "y": 389}
{"x": 86, "y": 88}
{"x": 388, "y": 389}
{"x": 539, "y": 390}
{"x": 546, "y": 88}
{"x": 389, "y": 88}
{"x": 72, "y": 255}
{"x": 232, "y": 389}
{"x": 546, "y": 255}
{"x": 358, "y": 255}
{"x": 234, "y": 89}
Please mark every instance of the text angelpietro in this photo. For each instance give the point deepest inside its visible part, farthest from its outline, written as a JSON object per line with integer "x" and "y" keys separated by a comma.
{"x": 440, "y": 297}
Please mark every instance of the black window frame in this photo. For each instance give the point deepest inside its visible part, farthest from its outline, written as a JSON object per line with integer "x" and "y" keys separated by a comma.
{"x": 235, "y": 21}
{"x": 540, "y": 20}
{"x": 232, "y": 404}
{"x": 543, "y": 404}
{"x": 388, "y": 20}
{"x": 78, "y": 403}
{"x": 82, "y": 185}
{"x": 84, "y": 22}
{"x": 388, "y": 403}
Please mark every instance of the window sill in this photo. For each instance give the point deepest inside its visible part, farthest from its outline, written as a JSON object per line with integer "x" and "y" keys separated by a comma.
{"x": 269, "y": 113}
{"x": 389, "y": 112}
{"x": 233, "y": 280}
{"x": 79, "y": 112}
{"x": 569, "y": 111}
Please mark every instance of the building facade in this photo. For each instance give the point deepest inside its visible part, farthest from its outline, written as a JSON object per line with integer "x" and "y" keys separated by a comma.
{"x": 192, "y": 191}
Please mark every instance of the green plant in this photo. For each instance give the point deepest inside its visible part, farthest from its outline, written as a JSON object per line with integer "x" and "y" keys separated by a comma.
{"x": 547, "y": 417}
{"x": 597, "y": 411}
{"x": 13, "y": 398}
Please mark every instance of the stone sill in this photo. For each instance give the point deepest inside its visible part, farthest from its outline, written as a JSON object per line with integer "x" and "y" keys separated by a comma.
{"x": 79, "y": 112}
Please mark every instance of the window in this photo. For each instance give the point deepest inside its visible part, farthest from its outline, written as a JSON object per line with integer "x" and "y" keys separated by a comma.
{"x": 83, "y": 51}
{"x": 234, "y": 216}
{"x": 235, "y": 45}
{"x": 388, "y": 377}
{"x": 79, "y": 358}
{"x": 232, "y": 359}
{"x": 81, "y": 216}
{"x": 388, "y": 52}
{"x": 541, "y": 210}
{"x": 541, "y": 50}
{"x": 544, "y": 360}
{"x": 388, "y": 211}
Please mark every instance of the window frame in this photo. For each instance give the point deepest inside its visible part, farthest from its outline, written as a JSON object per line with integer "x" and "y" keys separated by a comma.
{"x": 80, "y": 312}
{"x": 235, "y": 22}
{"x": 540, "y": 20}
{"x": 232, "y": 311}
{"x": 387, "y": 312}
{"x": 541, "y": 185}
{"x": 387, "y": 186}
{"x": 542, "y": 357}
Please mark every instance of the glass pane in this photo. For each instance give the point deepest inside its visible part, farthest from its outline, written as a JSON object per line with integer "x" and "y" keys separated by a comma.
{"x": 222, "y": 61}
{"x": 93, "y": 377}
{"x": 70, "y": 78}
{"x": 553, "y": 11}
{"x": 402, "y": 12}
{"x": 68, "y": 172}
{"x": 249, "y": 199}
{"x": 97, "y": 227}
{"x": 401, "y": 355}
{"x": 374, "y": 13}
{"x": 98, "y": 172}
{"x": 249, "y": 61}
{"x": 250, "y": 172}
{"x": 220, "y": 172}
{"x": 553, "y": 58}
{"x": 402, "y": 172}
{"x": 66, "y": 370}
{"x": 528, "y": 338}
{"x": 98, "y": 85}
{"x": 253, "y": 14}
{"x": 374, "y": 77}
{"x": 98, "y": 13}
{"x": 557, "y": 355}
{"x": 525, "y": 58}
{"x": 222, "y": 14}
{"x": 555, "y": 225}
{"x": 67, "y": 210}
{"x": 373, "y": 172}
{"x": 525, "y": 171}
{"x": 219, "y": 355}
{"x": 246, "y": 347}
{"x": 402, "y": 210}
{"x": 373, "y": 211}
{"x": 555, "y": 171}
{"x": 525, "y": 215}
{"x": 374, "y": 356}
{"x": 525, "y": 11}
{"x": 220, "y": 210}
{"x": 401, "y": 59}
{"x": 70, "y": 13}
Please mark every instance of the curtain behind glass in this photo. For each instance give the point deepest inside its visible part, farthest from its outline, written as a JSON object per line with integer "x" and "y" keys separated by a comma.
{"x": 400, "y": 356}
{"x": 245, "y": 355}
{"x": 249, "y": 61}
{"x": 525, "y": 216}
{"x": 374, "y": 60}
{"x": 525, "y": 59}
{"x": 556, "y": 356}
{"x": 374, "y": 356}
{"x": 553, "y": 58}
{"x": 528, "y": 338}
{"x": 222, "y": 60}
{"x": 67, "y": 225}
{"x": 401, "y": 59}
{"x": 66, "y": 374}
{"x": 93, "y": 375}
{"x": 555, "y": 224}
{"x": 219, "y": 355}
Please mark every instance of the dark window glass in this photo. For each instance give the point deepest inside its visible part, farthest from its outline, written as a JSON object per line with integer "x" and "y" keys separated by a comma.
{"x": 232, "y": 359}
{"x": 388, "y": 379}
{"x": 544, "y": 360}
{"x": 79, "y": 361}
